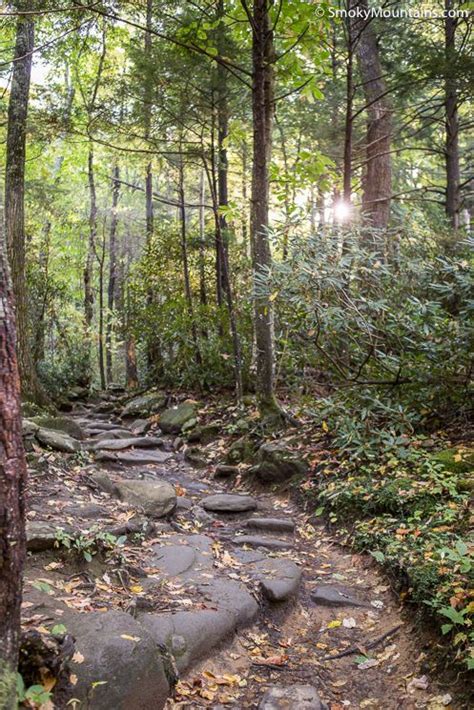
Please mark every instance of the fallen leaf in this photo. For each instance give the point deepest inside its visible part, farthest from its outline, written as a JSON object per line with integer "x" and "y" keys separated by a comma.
{"x": 130, "y": 638}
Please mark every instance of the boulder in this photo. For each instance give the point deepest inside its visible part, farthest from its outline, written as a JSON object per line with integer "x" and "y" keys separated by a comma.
{"x": 241, "y": 450}
{"x": 195, "y": 457}
{"x": 223, "y": 470}
{"x": 120, "y": 665}
{"x": 28, "y": 427}
{"x": 279, "y": 578}
{"x": 156, "y": 498}
{"x": 58, "y": 441}
{"x": 101, "y": 480}
{"x": 277, "y": 463}
{"x": 175, "y": 419}
{"x": 303, "y": 697}
{"x": 229, "y": 503}
{"x": 145, "y": 405}
{"x": 204, "y": 434}
{"x": 67, "y": 425}
{"x": 140, "y": 426}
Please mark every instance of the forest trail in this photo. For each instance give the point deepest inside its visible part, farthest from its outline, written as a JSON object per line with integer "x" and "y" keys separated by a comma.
{"x": 245, "y": 601}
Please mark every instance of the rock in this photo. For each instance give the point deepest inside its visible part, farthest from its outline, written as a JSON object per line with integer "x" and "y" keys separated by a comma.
{"x": 58, "y": 441}
{"x": 40, "y": 536}
{"x": 156, "y": 498}
{"x": 190, "y": 635}
{"x": 204, "y": 434}
{"x": 86, "y": 511}
{"x": 229, "y": 503}
{"x": 241, "y": 450}
{"x": 104, "y": 482}
{"x": 121, "y": 665}
{"x": 294, "y": 697}
{"x": 97, "y": 426}
{"x": 275, "y": 524}
{"x": 277, "y": 463}
{"x": 145, "y": 405}
{"x": 195, "y": 457}
{"x": 135, "y": 456}
{"x": 272, "y": 543}
{"x": 28, "y": 427}
{"x": 136, "y": 441}
{"x": 105, "y": 407}
{"x": 327, "y": 595}
{"x": 232, "y": 596}
{"x": 140, "y": 426}
{"x": 107, "y": 435}
{"x": 185, "y": 555}
{"x": 224, "y": 471}
{"x": 78, "y": 392}
{"x": 279, "y": 578}
{"x": 174, "y": 419}
{"x": 63, "y": 424}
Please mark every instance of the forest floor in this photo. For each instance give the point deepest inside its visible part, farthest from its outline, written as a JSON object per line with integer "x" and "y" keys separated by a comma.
{"x": 339, "y": 626}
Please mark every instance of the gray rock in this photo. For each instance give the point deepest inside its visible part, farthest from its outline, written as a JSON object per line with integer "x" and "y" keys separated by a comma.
{"x": 275, "y": 524}
{"x": 185, "y": 555}
{"x": 136, "y": 441}
{"x": 40, "y": 536}
{"x": 229, "y": 503}
{"x": 222, "y": 470}
{"x": 205, "y": 433}
{"x": 272, "y": 543}
{"x": 190, "y": 635}
{"x": 328, "y": 595}
{"x": 86, "y": 511}
{"x": 104, "y": 482}
{"x": 156, "y": 498}
{"x": 294, "y": 697}
{"x": 28, "y": 427}
{"x": 145, "y": 405}
{"x": 195, "y": 457}
{"x": 67, "y": 425}
{"x": 99, "y": 435}
{"x": 122, "y": 667}
{"x": 140, "y": 426}
{"x": 58, "y": 441}
{"x": 279, "y": 578}
{"x": 232, "y": 596}
{"x": 278, "y": 463}
{"x": 96, "y": 426}
{"x": 136, "y": 456}
{"x": 175, "y": 419}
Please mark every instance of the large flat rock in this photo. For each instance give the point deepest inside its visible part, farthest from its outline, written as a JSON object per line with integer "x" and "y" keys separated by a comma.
{"x": 229, "y": 503}
{"x": 136, "y": 456}
{"x": 57, "y": 440}
{"x": 279, "y": 578}
{"x": 184, "y": 555}
{"x": 145, "y": 405}
{"x": 140, "y": 442}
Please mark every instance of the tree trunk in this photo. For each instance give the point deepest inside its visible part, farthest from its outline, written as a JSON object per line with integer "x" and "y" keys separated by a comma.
{"x": 184, "y": 254}
{"x": 262, "y": 111}
{"x": 101, "y": 315}
{"x": 112, "y": 271}
{"x": 202, "y": 240}
{"x": 348, "y": 129}
{"x": 377, "y": 181}
{"x": 15, "y": 198}
{"x": 451, "y": 120}
{"x": 131, "y": 372}
{"x": 12, "y": 488}
{"x": 88, "y": 272}
{"x": 222, "y": 135}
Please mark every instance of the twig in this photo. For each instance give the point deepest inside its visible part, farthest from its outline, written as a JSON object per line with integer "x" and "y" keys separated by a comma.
{"x": 354, "y": 649}
{"x": 272, "y": 666}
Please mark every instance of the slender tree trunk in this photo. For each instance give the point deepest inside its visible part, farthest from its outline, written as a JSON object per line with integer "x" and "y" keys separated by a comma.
{"x": 103, "y": 381}
{"x": 91, "y": 247}
{"x": 236, "y": 344}
{"x": 451, "y": 120}
{"x": 112, "y": 271}
{"x": 222, "y": 161}
{"x": 377, "y": 182}
{"x": 202, "y": 240}
{"x": 184, "y": 254}
{"x": 12, "y": 490}
{"x": 217, "y": 242}
{"x": 15, "y": 197}
{"x": 245, "y": 195}
{"x": 348, "y": 129}
{"x": 262, "y": 111}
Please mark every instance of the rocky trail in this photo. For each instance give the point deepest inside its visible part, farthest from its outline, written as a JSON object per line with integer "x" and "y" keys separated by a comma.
{"x": 184, "y": 589}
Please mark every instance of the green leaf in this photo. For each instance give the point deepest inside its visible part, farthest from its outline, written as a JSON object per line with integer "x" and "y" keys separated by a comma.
{"x": 455, "y": 616}
{"x": 446, "y": 628}
{"x": 87, "y": 556}
{"x": 377, "y": 555}
{"x": 59, "y": 629}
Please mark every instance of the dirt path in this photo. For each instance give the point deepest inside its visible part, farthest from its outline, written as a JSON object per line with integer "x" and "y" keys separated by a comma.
{"x": 287, "y": 608}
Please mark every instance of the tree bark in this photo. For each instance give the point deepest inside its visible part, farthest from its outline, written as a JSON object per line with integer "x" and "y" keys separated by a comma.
{"x": 262, "y": 112}
{"x": 12, "y": 489}
{"x": 348, "y": 128}
{"x": 451, "y": 120}
{"x": 202, "y": 241}
{"x": 377, "y": 181}
{"x": 15, "y": 198}
{"x": 88, "y": 271}
{"x": 112, "y": 284}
